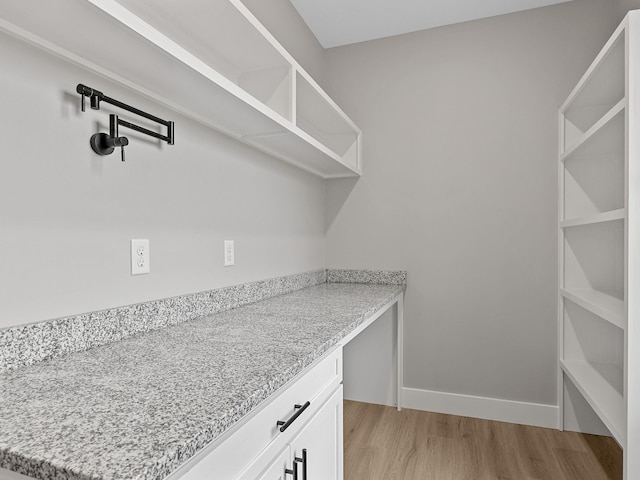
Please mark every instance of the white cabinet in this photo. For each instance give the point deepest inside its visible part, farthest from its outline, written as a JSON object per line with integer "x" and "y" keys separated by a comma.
{"x": 313, "y": 453}
{"x": 277, "y": 470}
{"x": 210, "y": 60}
{"x": 319, "y": 443}
{"x": 599, "y": 244}
{"x": 260, "y": 444}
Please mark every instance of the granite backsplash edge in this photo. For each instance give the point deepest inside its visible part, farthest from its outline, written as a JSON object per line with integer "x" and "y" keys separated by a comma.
{"x": 376, "y": 277}
{"x": 25, "y": 345}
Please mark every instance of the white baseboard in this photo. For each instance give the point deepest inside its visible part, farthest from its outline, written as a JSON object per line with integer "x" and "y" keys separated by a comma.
{"x": 534, "y": 414}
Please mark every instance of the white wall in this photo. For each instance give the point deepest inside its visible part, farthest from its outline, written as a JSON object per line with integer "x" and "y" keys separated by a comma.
{"x": 459, "y": 189}
{"x": 67, "y": 215}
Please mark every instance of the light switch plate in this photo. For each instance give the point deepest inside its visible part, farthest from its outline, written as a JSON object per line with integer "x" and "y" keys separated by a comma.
{"x": 140, "y": 256}
{"x": 229, "y": 253}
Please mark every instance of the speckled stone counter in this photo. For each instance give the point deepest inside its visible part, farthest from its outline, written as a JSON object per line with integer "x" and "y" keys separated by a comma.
{"x": 139, "y": 407}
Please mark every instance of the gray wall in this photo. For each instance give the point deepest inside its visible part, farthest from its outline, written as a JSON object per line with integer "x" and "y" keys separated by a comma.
{"x": 623, "y": 6}
{"x": 459, "y": 188}
{"x": 286, "y": 25}
{"x": 67, "y": 215}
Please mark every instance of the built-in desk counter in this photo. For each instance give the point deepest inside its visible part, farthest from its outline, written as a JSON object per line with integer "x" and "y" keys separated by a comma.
{"x": 140, "y": 407}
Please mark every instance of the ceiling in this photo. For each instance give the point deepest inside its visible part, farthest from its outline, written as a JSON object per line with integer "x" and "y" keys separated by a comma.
{"x": 342, "y": 22}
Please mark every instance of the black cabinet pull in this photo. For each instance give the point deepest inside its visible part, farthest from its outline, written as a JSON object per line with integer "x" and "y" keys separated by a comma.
{"x": 299, "y": 409}
{"x": 294, "y": 471}
{"x": 302, "y": 460}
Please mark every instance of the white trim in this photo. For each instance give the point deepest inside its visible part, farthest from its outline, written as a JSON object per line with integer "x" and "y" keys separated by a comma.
{"x": 400, "y": 352}
{"x": 524, "y": 413}
{"x": 560, "y": 419}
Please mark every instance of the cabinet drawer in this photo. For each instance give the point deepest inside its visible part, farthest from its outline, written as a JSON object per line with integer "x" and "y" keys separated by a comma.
{"x": 227, "y": 456}
{"x": 318, "y": 441}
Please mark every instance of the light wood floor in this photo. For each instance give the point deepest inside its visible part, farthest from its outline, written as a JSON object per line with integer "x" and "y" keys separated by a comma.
{"x": 384, "y": 444}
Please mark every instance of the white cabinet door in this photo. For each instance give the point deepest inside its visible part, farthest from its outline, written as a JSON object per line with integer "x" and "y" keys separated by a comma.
{"x": 318, "y": 446}
{"x": 276, "y": 471}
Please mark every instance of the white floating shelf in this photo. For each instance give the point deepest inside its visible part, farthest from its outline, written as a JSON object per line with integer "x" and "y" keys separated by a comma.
{"x": 601, "y": 86}
{"x": 211, "y": 61}
{"x": 601, "y": 386}
{"x": 605, "y": 137}
{"x": 605, "y": 306}
{"x": 603, "y": 217}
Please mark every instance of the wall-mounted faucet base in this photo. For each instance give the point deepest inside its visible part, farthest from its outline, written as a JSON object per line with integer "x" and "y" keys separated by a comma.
{"x": 98, "y": 142}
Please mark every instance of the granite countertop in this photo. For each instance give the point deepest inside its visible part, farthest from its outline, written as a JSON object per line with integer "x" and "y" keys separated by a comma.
{"x": 139, "y": 407}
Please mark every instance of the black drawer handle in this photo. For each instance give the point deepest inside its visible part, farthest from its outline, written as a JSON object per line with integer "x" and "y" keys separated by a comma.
{"x": 299, "y": 409}
{"x": 294, "y": 470}
{"x": 302, "y": 460}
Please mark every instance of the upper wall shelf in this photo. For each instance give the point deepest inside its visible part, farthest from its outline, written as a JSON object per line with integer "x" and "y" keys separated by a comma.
{"x": 209, "y": 60}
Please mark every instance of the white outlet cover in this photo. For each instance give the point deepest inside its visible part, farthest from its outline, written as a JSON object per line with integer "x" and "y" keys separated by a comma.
{"x": 229, "y": 253}
{"x": 140, "y": 256}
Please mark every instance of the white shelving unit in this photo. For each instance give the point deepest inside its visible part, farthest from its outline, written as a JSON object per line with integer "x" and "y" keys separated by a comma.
{"x": 599, "y": 248}
{"x": 210, "y": 60}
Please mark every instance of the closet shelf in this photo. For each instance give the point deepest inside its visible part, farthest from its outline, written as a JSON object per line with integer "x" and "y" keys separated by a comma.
{"x": 210, "y": 61}
{"x": 610, "y": 216}
{"x": 605, "y": 137}
{"x": 602, "y": 304}
{"x": 601, "y": 385}
{"x": 601, "y": 86}
{"x": 598, "y": 246}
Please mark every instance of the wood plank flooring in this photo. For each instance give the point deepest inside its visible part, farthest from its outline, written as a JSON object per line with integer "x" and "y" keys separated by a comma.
{"x": 384, "y": 444}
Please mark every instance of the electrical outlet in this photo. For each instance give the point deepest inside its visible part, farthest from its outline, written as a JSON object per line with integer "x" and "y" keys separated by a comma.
{"x": 140, "y": 258}
{"x": 229, "y": 253}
